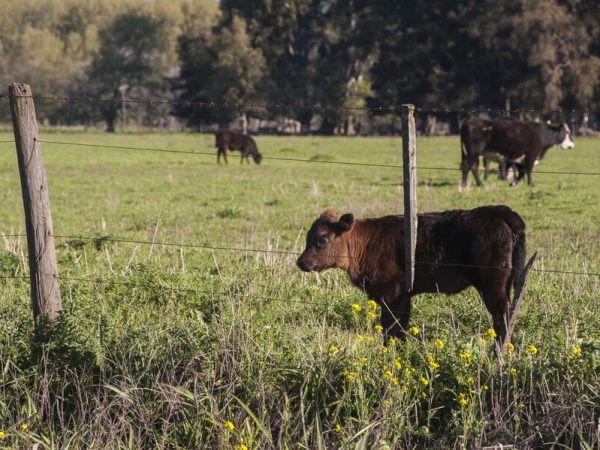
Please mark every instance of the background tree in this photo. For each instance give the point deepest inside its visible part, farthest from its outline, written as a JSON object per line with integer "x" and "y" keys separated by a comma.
{"x": 132, "y": 56}
{"x": 222, "y": 68}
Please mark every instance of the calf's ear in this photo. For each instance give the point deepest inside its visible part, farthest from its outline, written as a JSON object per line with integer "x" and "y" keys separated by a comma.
{"x": 329, "y": 215}
{"x": 346, "y": 222}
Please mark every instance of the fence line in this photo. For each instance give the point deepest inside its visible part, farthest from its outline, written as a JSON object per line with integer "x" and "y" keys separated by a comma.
{"x": 102, "y": 239}
{"x": 170, "y": 288}
{"x": 303, "y": 107}
{"x": 277, "y": 158}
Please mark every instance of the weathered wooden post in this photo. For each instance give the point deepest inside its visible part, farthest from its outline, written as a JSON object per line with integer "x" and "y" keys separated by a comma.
{"x": 409, "y": 157}
{"x": 43, "y": 271}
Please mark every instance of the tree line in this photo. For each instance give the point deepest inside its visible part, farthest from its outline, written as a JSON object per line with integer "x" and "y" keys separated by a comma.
{"x": 309, "y": 54}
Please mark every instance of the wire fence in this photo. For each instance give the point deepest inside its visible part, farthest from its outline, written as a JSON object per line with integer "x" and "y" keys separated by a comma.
{"x": 285, "y": 159}
{"x": 424, "y": 109}
{"x": 107, "y": 239}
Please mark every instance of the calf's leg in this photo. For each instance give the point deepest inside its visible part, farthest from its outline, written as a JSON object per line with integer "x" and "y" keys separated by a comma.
{"x": 395, "y": 316}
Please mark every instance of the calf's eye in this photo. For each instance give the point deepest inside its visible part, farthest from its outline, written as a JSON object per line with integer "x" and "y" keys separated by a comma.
{"x": 322, "y": 242}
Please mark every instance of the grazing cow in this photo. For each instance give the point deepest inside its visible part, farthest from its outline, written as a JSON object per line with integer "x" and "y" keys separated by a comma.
{"x": 232, "y": 140}
{"x": 483, "y": 247}
{"x": 517, "y": 142}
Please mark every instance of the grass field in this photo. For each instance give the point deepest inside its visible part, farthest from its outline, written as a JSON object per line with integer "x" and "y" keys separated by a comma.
{"x": 176, "y": 346}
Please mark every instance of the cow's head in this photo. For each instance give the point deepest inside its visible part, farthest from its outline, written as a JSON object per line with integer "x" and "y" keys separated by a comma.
{"x": 564, "y": 135}
{"x": 257, "y": 158}
{"x": 326, "y": 243}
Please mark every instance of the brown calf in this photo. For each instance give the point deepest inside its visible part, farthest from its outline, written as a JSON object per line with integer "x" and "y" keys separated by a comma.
{"x": 483, "y": 247}
{"x": 232, "y": 140}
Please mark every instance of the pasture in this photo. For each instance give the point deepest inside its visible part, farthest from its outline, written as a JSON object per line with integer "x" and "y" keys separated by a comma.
{"x": 182, "y": 339}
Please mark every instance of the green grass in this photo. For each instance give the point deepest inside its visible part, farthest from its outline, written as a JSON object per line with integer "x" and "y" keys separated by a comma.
{"x": 169, "y": 343}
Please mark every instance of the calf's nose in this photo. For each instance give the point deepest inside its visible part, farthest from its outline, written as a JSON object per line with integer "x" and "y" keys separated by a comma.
{"x": 302, "y": 265}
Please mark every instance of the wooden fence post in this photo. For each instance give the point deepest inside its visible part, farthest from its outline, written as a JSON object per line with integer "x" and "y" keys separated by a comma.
{"x": 409, "y": 159}
{"x": 43, "y": 271}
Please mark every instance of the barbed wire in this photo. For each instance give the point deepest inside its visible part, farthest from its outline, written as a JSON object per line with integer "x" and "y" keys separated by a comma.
{"x": 104, "y": 239}
{"x": 277, "y": 158}
{"x": 304, "y": 107}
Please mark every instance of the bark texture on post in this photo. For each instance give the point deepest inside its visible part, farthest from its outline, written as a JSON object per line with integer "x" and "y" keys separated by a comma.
{"x": 409, "y": 158}
{"x": 43, "y": 270}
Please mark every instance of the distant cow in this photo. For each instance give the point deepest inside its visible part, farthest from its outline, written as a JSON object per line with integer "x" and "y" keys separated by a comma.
{"x": 232, "y": 140}
{"x": 483, "y": 247}
{"x": 514, "y": 141}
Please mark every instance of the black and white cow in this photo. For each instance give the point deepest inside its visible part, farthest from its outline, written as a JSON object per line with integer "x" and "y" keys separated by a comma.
{"x": 512, "y": 142}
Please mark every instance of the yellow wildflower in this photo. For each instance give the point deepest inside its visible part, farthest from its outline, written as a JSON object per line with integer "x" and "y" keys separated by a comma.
{"x": 333, "y": 349}
{"x": 360, "y": 337}
{"x": 423, "y": 394}
{"x": 2, "y": 434}
{"x": 24, "y": 427}
{"x": 511, "y": 347}
{"x": 481, "y": 341}
{"x": 387, "y": 403}
{"x": 397, "y": 364}
{"x": 485, "y": 387}
{"x": 392, "y": 341}
{"x": 356, "y": 307}
{"x": 532, "y": 350}
{"x": 349, "y": 375}
{"x": 513, "y": 371}
{"x": 370, "y": 339}
{"x": 521, "y": 405}
{"x": 463, "y": 400}
{"x": 394, "y": 381}
{"x": 372, "y": 304}
{"x": 338, "y": 428}
{"x": 229, "y": 425}
{"x": 378, "y": 328}
{"x": 575, "y": 352}
{"x": 491, "y": 333}
{"x": 439, "y": 344}
{"x": 371, "y": 315}
{"x": 431, "y": 363}
{"x": 388, "y": 374}
{"x": 241, "y": 447}
{"x": 470, "y": 380}
{"x": 414, "y": 330}
{"x": 466, "y": 357}
{"x": 424, "y": 381}
{"x": 362, "y": 360}
{"x": 383, "y": 349}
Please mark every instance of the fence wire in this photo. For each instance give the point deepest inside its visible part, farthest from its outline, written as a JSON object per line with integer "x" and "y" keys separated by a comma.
{"x": 105, "y": 239}
{"x": 423, "y": 109}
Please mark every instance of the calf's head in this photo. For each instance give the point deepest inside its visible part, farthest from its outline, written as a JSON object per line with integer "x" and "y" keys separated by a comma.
{"x": 564, "y": 135}
{"x": 327, "y": 243}
{"x": 257, "y": 157}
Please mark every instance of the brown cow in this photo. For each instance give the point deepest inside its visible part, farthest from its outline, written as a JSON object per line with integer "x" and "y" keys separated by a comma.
{"x": 483, "y": 247}
{"x": 232, "y": 140}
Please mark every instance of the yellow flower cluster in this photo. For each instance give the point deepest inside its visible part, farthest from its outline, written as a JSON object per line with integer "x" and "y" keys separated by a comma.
{"x": 439, "y": 344}
{"x": 240, "y": 447}
{"x": 470, "y": 380}
{"x": 392, "y": 341}
{"x": 349, "y": 375}
{"x": 338, "y": 428}
{"x": 513, "y": 371}
{"x": 2, "y": 434}
{"x": 431, "y": 363}
{"x": 372, "y": 304}
{"x": 229, "y": 425}
{"x": 356, "y": 307}
{"x": 466, "y": 357}
{"x": 511, "y": 347}
{"x": 463, "y": 400}
{"x": 491, "y": 333}
{"x": 390, "y": 376}
{"x": 575, "y": 352}
{"x": 378, "y": 328}
{"x": 397, "y": 364}
{"x": 424, "y": 381}
{"x": 333, "y": 349}
{"x": 532, "y": 350}
{"x": 371, "y": 315}
{"x": 415, "y": 330}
